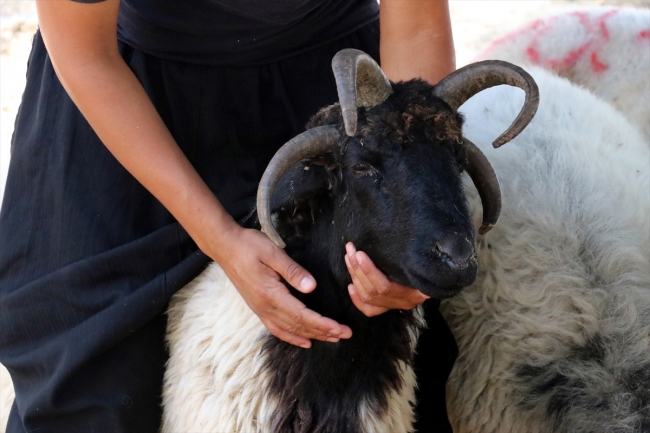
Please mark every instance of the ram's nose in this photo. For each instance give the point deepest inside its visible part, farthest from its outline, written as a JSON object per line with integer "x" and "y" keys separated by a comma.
{"x": 456, "y": 251}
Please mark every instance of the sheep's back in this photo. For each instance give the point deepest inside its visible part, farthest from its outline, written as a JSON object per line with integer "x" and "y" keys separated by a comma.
{"x": 554, "y": 335}
{"x": 606, "y": 50}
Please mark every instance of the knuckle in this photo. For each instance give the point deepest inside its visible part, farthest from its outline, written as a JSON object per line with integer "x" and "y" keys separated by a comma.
{"x": 297, "y": 317}
{"x": 295, "y": 328}
{"x": 265, "y": 296}
{"x": 365, "y": 297}
{"x": 374, "y": 290}
{"x": 293, "y": 271}
{"x": 273, "y": 329}
{"x": 273, "y": 294}
{"x": 383, "y": 289}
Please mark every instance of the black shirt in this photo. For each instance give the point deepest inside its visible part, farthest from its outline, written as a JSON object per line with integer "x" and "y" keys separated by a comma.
{"x": 237, "y": 32}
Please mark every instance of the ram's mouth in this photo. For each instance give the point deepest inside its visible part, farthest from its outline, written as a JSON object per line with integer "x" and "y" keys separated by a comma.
{"x": 430, "y": 287}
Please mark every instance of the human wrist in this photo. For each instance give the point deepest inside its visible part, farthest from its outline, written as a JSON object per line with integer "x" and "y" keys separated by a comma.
{"x": 219, "y": 246}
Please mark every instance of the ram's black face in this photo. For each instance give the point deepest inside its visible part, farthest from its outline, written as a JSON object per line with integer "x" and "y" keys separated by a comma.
{"x": 394, "y": 190}
{"x": 408, "y": 211}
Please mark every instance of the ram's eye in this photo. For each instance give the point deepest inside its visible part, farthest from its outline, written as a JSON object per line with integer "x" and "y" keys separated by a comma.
{"x": 361, "y": 168}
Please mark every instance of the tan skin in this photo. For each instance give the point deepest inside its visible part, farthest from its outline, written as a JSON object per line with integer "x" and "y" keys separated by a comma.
{"x": 82, "y": 43}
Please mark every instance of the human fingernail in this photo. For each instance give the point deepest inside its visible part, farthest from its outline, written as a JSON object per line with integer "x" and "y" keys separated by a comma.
{"x": 347, "y": 333}
{"x": 333, "y": 340}
{"x": 351, "y": 290}
{"x": 359, "y": 257}
{"x": 349, "y": 248}
{"x": 305, "y": 345}
{"x": 307, "y": 283}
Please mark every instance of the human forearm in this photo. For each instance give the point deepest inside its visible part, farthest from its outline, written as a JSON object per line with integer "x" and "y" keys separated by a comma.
{"x": 416, "y": 39}
{"x": 82, "y": 43}
{"x": 120, "y": 112}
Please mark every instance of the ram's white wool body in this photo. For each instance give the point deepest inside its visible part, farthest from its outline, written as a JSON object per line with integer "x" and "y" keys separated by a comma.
{"x": 6, "y": 397}
{"x": 215, "y": 379}
{"x": 606, "y": 50}
{"x": 566, "y": 268}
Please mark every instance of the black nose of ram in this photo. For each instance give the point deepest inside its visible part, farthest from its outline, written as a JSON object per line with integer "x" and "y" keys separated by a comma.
{"x": 455, "y": 251}
{"x": 443, "y": 266}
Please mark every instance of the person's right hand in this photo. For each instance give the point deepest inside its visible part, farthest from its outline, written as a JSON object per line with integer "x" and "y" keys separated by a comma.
{"x": 254, "y": 264}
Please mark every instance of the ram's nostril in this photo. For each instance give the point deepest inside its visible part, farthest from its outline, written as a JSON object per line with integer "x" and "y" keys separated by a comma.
{"x": 457, "y": 249}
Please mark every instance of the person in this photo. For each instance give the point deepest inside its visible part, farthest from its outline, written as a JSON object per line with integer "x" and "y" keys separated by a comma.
{"x": 143, "y": 131}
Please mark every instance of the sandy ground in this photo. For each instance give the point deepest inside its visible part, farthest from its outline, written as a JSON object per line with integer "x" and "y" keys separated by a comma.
{"x": 475, "y": 22}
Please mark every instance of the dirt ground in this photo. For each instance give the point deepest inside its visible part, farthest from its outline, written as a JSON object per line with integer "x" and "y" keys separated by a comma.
{"x": 475, "y": 24}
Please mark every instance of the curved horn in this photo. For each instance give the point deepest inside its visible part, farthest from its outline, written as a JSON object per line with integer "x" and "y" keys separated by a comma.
{"x": 360, "y": 82}
{"x": 487, "y": 184}
{"x": 466, "y": 82}
{"x": 312, "y": 142}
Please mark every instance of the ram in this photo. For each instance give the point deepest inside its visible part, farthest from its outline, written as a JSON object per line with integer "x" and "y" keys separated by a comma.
{"x": 381, "y": 169}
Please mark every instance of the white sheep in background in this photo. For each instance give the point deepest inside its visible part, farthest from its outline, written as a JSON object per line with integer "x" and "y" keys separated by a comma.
{"x": 606, "y": 50}
{"x": 554, "y": 335}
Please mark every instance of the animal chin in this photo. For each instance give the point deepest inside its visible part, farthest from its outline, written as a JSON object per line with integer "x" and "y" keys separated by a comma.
{"x": 430, "y": 284}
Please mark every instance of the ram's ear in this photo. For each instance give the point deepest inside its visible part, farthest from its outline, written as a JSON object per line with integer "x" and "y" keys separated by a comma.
{"x": 302, "y": 182}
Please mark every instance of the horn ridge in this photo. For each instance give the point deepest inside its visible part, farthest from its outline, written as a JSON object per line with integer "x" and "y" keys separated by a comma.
{"x": 320, "y": 139}
{"x": 485, "y": 179}
{"x": 466, "y": 82}
{"x": 360, "y": 82}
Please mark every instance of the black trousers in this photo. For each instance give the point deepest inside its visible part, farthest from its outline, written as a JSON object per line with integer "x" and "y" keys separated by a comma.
{"x": 89, "y": 259}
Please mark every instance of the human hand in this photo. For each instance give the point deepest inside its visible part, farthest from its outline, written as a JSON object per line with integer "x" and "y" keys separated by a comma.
{"x": 254, "y": 265}
{"x": 372, "y": 292}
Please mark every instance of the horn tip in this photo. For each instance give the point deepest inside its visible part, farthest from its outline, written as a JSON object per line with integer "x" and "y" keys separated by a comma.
{"x": 275, "y": 238}
{"x": 486, "y": 227}
{"x": 350, "y": 121}
{"x": 500, "y": 142}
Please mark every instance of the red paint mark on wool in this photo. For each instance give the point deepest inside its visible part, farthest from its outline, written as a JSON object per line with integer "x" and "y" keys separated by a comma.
{"x": 533, "y": 54}
{"x": 514, "y": 34}
{"x": 603, "y": 30}
{"x": 597, "y": 36}
{"x": 596, "y": 64}
{"x": 584, "y": 20}
{"x": 571, "y": 58}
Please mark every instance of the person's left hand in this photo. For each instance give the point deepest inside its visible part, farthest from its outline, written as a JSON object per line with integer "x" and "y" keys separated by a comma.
{"x": 372, "y": 292}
